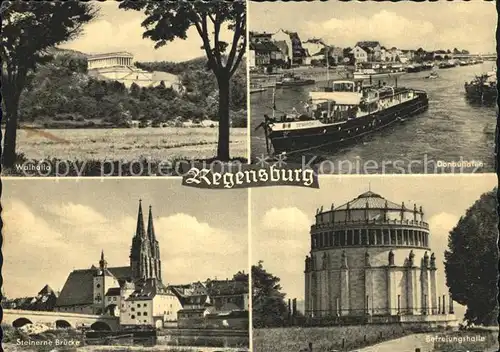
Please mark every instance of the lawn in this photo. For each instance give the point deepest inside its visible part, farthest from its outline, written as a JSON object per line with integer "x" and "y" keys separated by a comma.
{"x": 127, "y": 144}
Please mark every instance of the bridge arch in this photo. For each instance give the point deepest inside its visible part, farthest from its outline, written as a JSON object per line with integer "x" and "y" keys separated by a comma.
{"x": 63, "y": 324}
{"x": 112, "y": 310}
{"x": 100, "y": 326}
{"x": 20, "y": 322}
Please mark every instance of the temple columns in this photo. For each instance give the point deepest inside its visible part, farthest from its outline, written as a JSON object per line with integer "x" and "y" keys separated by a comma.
{"x": 368, "y": 291}
{"x": 332, "y": 294}
{"x": 324, "y": 293}
{"x": 307, "y": 294}
{"x": 426, "y": 291}
{"x": 433, "y": 292}
{"x": 319, "y": 294}
{"x": 392, "y": 304}
{"x": 313, "y": 294}
{"x": 317, "y": 298}
{"x": 417, "y": 291}
{"x": 412, "y": 293}
{"x": 344, "y": 290}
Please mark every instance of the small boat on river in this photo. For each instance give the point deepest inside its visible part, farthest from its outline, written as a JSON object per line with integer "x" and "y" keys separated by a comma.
{"x": 292, "y": 80}
{"x": 432, "y": 75}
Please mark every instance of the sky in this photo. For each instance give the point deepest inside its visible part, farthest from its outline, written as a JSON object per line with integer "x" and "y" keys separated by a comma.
{"x": 118, "y": 30}
{"x": 52, "y": 227}
{"x": 281, "y": 217}
{"x": 406, "y": 24}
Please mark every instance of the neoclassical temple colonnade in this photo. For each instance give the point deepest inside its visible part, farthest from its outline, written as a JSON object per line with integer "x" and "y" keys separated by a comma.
{"x": 109, "y": 60}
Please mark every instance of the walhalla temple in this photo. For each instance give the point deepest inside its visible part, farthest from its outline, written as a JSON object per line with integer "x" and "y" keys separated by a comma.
{"x": 118, "y": 66}
{"x": 370, "y": 261}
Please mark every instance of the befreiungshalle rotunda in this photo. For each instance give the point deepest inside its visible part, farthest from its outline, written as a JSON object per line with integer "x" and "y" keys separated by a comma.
{"x": 370, "y": 260}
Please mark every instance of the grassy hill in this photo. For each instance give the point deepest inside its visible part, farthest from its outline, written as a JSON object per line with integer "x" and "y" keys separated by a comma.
{"x": 61, "y": 94}
{"x": 60, "y": 51}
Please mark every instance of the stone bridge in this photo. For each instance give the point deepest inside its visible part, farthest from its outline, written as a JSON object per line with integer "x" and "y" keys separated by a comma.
{"x": 475, "y": 56}
{"x": 18, "y": 318}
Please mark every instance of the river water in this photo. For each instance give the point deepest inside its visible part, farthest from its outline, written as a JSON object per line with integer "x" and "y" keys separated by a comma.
{"x": 451, "y": 130}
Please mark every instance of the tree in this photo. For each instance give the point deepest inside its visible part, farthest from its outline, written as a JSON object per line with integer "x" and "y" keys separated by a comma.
{"x": 167, "y": 20}
{"x": 28, "y": 29}
{"x": 135, "y": 90}
{"x": 268, "y": 305}
{"x": 471, "y": 261}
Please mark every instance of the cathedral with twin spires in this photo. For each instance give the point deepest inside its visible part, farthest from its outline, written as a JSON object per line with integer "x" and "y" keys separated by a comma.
{"x": 145, "y": 262}
{"x": 135, "y": 293}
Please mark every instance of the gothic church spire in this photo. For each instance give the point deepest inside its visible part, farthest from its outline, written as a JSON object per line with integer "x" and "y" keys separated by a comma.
{"x": 139, "y": 232}
{"x": 151, "y": 229}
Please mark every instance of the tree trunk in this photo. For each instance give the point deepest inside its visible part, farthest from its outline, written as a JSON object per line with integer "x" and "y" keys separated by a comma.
{"x": 223, "y": 143}
{"x": 9, "y": 144}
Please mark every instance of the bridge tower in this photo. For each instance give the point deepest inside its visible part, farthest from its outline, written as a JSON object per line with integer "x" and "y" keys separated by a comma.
{"x": 99, "y": 286}
{"x": 103, "y": 280}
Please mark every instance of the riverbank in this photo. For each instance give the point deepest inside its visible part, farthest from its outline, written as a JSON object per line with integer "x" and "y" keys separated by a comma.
{"x": 319, "y": 74}
{"x": 374, "y": 338}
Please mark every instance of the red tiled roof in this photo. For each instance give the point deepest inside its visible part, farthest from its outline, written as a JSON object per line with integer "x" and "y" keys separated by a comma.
{"x": 121, "y": 272}
{"x": 149, "y": 289}
{"x": 78, "y": 289}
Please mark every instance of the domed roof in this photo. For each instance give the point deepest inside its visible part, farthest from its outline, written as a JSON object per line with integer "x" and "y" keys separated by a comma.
{"x": 374, "y": 201}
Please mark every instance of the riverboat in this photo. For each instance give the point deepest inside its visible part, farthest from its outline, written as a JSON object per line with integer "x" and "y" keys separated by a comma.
{"x": 447, "y": 64}
{"x": 342, "y": 112}
{"x": 369, "y": 73}
{"x": 369, "y": 70}
{"x": 414, "y": 68}
{"x": 255, "y": 88}
{"x": 292, "y": 80}
{"x": 482, "y": 88}
{"x": 428, "y": 66}
{"x": 418, "y": 67}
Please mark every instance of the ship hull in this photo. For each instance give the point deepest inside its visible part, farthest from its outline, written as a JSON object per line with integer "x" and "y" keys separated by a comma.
{"x": 475, "y": 93}
{"x": 332, "y": 136}
{"x": 358, "y": 75}
{"x": 296, "y": 84}
{"x": 414, "y": 69}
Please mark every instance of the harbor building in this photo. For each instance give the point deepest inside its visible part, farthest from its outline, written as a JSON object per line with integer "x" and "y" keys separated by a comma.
{"x": 370, "y": 260}
{"x": 118, "y": 66}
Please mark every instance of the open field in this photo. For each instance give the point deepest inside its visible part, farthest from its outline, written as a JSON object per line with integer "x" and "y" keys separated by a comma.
{"x": 127, "y": 144}
{"x": 342, "y": 338}
{"x": 383, "y": 338}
